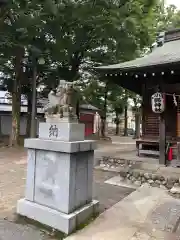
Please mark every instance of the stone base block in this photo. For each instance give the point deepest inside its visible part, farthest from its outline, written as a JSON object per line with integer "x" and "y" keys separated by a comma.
{"x": 65, "y": 223}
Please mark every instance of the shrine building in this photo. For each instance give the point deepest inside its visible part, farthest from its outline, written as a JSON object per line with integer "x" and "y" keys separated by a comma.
{"x": 156, "y": 77}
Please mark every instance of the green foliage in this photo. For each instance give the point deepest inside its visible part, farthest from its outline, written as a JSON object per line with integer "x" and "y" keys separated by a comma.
{"x": 92, "y": 92}
{"x": 116, "y": 99}
{"x": 168, "y": 17}
{"x": 72, "y": 36}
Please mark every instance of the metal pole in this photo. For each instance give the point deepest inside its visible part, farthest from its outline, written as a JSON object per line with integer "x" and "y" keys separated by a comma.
{"x": 33, "y": 132}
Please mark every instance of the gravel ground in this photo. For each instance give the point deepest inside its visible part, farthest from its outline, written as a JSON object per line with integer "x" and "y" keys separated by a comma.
{"x": 12, "y": 185}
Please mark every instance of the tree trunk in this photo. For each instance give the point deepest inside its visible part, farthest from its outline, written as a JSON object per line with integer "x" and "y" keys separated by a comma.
{"x": 16, "y": 97}
{"x": 33, "y": 132}
{"x": 126, "y": 114}
{"x": 137, "y": 125}
{"x": 103, "y": 127}
{"x": 117, "y": 124}
{"x": 126, "y": 120}
{"x": 14, "y": 138}
{"x": 103, "y": 118}
{"x": 28, "y": 126}
{"x": 117, "y": 129}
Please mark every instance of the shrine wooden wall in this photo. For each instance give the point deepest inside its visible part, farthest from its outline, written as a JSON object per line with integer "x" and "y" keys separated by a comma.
{"x": 178, "y": 118}
{"x": 170, "y": 117}
{"x": 173, "y": 112}
{"x": 150, "y": 124}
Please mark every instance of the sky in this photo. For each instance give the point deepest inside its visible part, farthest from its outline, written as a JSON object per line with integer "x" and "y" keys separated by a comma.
{"x": 175, "y": 2}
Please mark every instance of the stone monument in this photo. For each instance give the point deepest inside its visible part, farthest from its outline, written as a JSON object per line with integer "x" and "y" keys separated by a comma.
{"x": 60, "y": 167}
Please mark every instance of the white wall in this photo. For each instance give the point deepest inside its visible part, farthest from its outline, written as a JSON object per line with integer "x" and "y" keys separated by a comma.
{"x": 6, "y": 124}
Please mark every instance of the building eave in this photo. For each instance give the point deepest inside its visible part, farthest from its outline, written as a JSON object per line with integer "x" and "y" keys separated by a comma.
{"x": 168, "y": 54}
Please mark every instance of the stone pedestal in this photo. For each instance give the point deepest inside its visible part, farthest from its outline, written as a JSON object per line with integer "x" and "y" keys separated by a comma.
{"x": 59, "y": 177}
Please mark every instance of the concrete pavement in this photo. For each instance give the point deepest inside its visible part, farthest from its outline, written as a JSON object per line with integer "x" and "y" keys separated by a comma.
{"x": 146, "y": 214}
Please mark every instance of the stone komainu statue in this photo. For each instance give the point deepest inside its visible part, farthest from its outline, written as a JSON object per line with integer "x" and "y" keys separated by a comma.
{"x": 64, "y": 101}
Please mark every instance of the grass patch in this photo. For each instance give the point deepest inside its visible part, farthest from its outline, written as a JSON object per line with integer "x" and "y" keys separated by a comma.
{"x": 51, "y": 232}
{"x": 87, "y": 222}
{"x": 46, "y": 230}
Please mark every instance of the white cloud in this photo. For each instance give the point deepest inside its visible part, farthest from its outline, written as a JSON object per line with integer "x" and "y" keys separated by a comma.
{"x": 175, "y": 2}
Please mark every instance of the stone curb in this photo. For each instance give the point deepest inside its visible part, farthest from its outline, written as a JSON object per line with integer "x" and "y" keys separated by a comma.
{"x": 137, "y": 174}
{"x": 114, "y": 162}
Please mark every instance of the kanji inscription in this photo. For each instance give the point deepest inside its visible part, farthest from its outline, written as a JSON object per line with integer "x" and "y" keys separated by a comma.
{"x": 53, "y": 131}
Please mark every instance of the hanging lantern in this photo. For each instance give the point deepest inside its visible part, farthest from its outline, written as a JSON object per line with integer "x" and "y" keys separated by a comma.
{"x": 157, "y": 102}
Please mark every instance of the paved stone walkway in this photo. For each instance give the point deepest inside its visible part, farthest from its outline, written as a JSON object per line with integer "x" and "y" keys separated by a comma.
{"x": 146, "y": 214}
